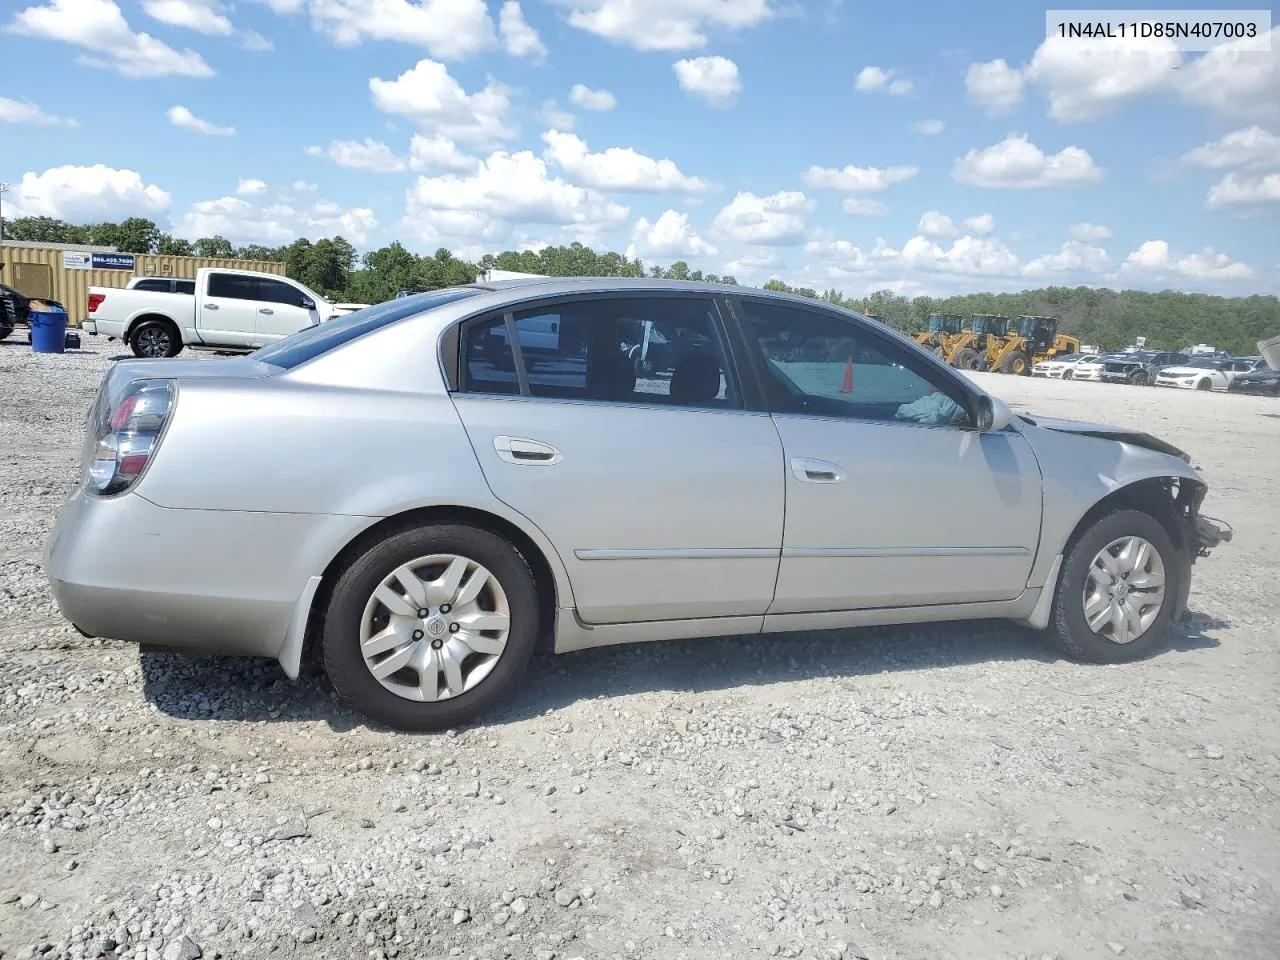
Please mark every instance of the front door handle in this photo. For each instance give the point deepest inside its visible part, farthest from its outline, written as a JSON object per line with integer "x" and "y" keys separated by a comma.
{"x": 815, "y": 471}
{"x": 211, "y": 306}
{"x": 266, "y": 310}
{"x": 521, "y": 450}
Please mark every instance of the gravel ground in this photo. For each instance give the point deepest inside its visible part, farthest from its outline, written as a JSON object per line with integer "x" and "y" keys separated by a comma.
{"x": 955, "y": 791}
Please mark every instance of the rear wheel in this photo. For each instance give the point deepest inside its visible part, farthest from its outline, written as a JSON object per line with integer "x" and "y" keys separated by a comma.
{"x": 155, "y": 338}
{"x": 1116, "y": 595}
{"x": 1016, "y": 363}
{"x": 1066, "y": 374}
{"x": 966, "y": 358}
{"x": 432, "y": 627}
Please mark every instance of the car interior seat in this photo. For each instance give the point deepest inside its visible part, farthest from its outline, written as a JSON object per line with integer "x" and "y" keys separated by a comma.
{"x": 696, "y": 379}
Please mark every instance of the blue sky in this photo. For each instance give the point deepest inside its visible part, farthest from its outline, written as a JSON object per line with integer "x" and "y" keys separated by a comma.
{"x": 926, "y": 148}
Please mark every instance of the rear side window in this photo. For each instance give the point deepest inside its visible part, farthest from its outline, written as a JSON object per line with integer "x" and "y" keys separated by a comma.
{"x": 311, "y": 342}
{"x": 650, "y": 350}
{"x": 188, "y": 287}
{"x": 160, "y": 286}
{"x": 232, "y": 287}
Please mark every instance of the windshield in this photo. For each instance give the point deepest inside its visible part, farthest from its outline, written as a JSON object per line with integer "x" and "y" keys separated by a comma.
{"x": 311, "y": 342}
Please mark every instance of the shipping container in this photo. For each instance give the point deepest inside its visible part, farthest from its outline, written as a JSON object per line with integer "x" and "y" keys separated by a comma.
{"x": 65, "y": 272}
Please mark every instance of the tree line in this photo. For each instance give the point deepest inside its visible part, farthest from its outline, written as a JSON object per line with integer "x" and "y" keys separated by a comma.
{"x": 1110, "y": 319}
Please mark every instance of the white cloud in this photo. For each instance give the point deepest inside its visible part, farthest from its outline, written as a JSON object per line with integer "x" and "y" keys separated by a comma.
{"x": 1246, "y": 194}
{"x": 1251, "y": 147}
{"x": 100, "y": 27}
{"x": 1235, "y": 83}
{"x": 521, "y": 39}
{"x": 85, "y": 195}
{"x": 669, "y": 236}
{"x": 967, "y": 255}
{"x": 1085, "y": 80}
{"x": 303, "y": 186}
{"x": 243, "y": 222}
{"x": 1089, "y": 232}
{"x": 994, "y": 86}
{"x": 982, "y": 224}
{"x": 617, "y": 168}
{"x": 777, "y": 219}
{"x": 1074, "y": 257}
{"x": 935, "y": 223}
{"x": 862, "y": 207}
{"x": 438, "y": 153}
{"x": 427, "y": 94}
{"x": 199, "y": 15}
{"x": 714, "y": 79}
{"x": 877, "y": 78}
{"x": 858, "y": 179}
{"x": 250, "y": 188}
{"x": 749, "y": 265}
{"x": 1017, "y": 163}
{"x": 447, "y": 29}
{"x": 253, "y": 40}
{"x": 588, "y": 99}
{"x": 505, "y": 189}
{"x": 184, "y": 118}
{"x": 929, "y": 127}
{"x": 24, "y": 111}
{"x": 1152, "y": 260}
{"x": 556, "y": 117}
{"x": 664, "y": 24}
{"x": 371, "y": 155}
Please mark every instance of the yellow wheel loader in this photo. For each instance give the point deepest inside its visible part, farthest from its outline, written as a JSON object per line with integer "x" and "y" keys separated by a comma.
{"x": 1033, "y": 340}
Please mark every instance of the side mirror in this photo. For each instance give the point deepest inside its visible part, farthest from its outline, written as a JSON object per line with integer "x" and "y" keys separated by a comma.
{"x": 306, "y": 303}
{"x": 993, "y": 415}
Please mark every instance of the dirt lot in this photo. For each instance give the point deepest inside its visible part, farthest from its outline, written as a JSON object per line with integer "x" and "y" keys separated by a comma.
{"x": 949, "y": 792}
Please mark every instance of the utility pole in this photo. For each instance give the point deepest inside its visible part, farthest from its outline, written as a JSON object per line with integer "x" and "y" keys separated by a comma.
{"x": 3, "y": 188}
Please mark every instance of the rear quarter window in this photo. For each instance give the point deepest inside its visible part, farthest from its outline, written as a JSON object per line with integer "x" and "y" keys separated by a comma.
{"x": 311, "y": 342}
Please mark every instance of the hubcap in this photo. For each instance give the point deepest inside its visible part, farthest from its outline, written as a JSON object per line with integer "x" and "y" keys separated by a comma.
{"x": 435, "y": 628}
{"x": 1124, "y": 591}
{"x": 153, "y": 342}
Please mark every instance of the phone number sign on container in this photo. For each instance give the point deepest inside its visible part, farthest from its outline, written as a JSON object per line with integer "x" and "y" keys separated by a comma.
{"x": 1161, "y": 30}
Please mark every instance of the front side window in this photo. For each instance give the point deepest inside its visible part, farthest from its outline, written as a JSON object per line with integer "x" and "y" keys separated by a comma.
{"x": 650, "y": 350}
{"x": 232, "y": 287}
{"x": 274, "y": 291}
{"x": 820, "y": 364}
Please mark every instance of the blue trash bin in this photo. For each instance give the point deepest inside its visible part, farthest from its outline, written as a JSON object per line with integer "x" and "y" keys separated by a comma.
{"x": 48, "y": 331}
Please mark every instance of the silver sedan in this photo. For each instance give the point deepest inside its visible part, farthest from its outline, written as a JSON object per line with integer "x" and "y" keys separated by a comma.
{"x": 423, "y": 490}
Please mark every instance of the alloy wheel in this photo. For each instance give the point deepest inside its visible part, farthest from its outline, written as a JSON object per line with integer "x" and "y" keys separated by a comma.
{"x": 153, "y": 342}
{"x": 1124, "y": 590}
{"x": 435, "y": 628}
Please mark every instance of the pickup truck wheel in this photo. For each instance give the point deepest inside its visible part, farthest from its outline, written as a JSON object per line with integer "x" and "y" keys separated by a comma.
{"x": 1118, "y": 589}
{"x": 155, "y": 338}
{"x": 5, "y": 330}
{"x": 431, "y": 627}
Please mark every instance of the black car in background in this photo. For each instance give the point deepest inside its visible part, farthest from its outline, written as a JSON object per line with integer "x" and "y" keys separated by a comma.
{"x": 1138, "y": 367}
{"x": 1261, "y": 380}
{"x": 14, "y": 308}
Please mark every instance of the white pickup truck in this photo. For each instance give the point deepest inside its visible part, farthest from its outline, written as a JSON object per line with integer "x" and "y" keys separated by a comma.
{"x": 224, "y": 310}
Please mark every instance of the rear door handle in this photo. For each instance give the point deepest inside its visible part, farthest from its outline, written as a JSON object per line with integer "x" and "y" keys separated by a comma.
{"x": 266, "y": 310}
{"x": 815, "y": 471}
{"x": 521, "y": 450}
{"x": 211, "y": 306}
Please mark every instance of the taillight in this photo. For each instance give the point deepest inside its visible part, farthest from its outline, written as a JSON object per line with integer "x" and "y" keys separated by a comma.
{"x": 124, "y": 434}
{"x": 95, "y": 301}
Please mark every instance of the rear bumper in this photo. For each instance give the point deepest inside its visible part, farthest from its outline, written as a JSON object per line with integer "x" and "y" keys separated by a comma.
{"x": 202, "y": 581}
{"x": 89, "y": 326}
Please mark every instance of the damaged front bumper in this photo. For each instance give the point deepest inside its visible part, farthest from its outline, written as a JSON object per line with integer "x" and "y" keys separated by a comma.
{"x": 1210, "y": 533}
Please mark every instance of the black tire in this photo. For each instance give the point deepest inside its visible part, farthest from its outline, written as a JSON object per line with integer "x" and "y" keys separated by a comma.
{"x": 1066, "y": 374}
{"x": 155, "y": 339}
{"x": 1016, "y": 363}
{"x": 1068, "y": 629}
{"x": 340, "y": 638}
{"x": 965, "y": 359}
{"x": 1139, "y": 378}
{"x": 5, "y": 330}
{"x": 1204, "y": 384}
{"x": 983, "y": 362}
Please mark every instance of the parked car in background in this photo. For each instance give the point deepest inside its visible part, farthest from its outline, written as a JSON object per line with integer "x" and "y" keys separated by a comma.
{"x": 14, "y": 308}
{"x": 1140, "y": 367}
{"x": 431, "y": 517}
{"x": 226, "y": 310}
{"x": 1234, "y": 366}
{"x": 1089, "y": 368}
{"x": 1263, "y": 381}
{"x": 1063, "y": 367}
{"x": 1195, "y": 373}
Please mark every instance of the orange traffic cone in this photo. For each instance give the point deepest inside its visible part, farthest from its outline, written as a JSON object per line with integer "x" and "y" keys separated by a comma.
{"x": 848, "y": 377}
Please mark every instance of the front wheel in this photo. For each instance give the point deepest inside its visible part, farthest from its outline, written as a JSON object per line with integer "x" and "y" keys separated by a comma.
{"x": 431, "y": 627}
{"x": 1139, "y": 378}
{"x": 1204, "y": 384}
{"x": 1118, "y": 590}
{"x": 1016, "y": 363}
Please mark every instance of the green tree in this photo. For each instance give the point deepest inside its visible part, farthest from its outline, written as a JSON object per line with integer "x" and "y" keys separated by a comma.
{"x": 171, "y": 246}
{"x": 215, "y": 248}
{"x": 44, "y": 230}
